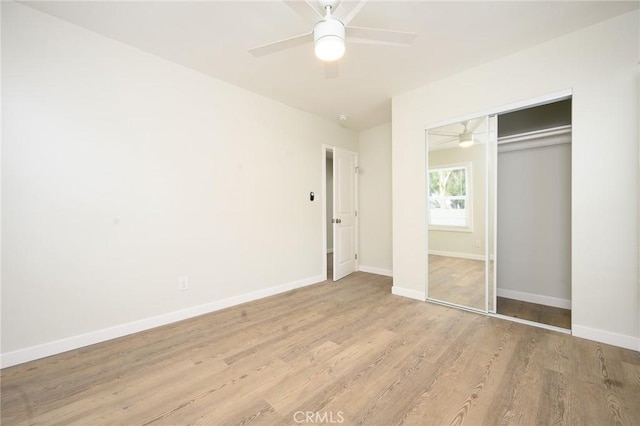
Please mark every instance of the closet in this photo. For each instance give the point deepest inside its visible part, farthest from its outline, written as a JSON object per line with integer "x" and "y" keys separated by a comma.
{"x": 498, "y": 193}
{"x": 534, "y": 214}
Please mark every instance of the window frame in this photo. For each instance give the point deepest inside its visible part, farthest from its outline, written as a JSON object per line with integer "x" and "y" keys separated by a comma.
{"x": 468, "y": 227}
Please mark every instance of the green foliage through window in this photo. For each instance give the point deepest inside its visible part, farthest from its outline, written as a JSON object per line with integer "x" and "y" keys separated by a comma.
{"x": 448, "y": 196}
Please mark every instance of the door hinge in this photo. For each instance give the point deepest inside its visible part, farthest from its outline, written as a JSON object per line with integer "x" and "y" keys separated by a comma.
{"x": 356, "y": 213}
{"x": 356, "y": 256}
{"x": 357, "y": 170}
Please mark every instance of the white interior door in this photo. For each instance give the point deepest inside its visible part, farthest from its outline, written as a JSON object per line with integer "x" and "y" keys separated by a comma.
{"x": 345, "y": 165}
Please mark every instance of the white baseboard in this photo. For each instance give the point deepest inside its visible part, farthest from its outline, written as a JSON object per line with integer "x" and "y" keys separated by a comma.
{"x": 52, "y": 348}
{"x": 608, "y": 337}
{"x": 374, "y": 270}
{"x": 534, "y": 298}
{"x": 411, "y": 294}
{"x": 458, "y": 255}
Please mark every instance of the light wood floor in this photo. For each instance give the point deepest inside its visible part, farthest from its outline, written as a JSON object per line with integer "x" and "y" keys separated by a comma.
{"x": 549, "y": 315}
{"x": 455, "y": 280}
{"x": 347, "y": 350}
{"x": 459, "y": 281}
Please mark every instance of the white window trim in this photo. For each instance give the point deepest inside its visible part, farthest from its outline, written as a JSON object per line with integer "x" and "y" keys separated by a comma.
{"x": 468, "y": 202}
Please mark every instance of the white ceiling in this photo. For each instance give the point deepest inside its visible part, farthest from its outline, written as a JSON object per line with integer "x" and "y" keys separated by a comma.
{"x": 213, "y": 37}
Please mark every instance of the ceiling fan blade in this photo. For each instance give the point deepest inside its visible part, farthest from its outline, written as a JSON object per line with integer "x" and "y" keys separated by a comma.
{"x": 444, "y": 133}
{"x": 477, "y": 124}
{"x": 376, "y": 36}
{"x": 447, "y": 141}
{"x": 347, "y": 10}
{"x": 331, "y": 70}
{"x": 277, "y": 46}
{"x": 305, "y": 9}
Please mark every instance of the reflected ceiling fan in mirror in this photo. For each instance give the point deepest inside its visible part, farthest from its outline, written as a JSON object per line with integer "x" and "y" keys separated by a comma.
{"x": 465, "y": 138}
{"x": 330, "y": 19}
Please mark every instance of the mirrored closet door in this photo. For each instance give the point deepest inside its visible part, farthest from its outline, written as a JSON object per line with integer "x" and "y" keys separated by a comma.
{"x": 461, "y": 159}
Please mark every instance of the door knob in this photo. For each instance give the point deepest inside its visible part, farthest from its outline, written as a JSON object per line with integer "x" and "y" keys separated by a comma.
{"x": 338, "y": 220}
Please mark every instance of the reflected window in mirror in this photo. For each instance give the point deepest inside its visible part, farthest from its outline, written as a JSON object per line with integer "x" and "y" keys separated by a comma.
{"x": 450, "y": 197}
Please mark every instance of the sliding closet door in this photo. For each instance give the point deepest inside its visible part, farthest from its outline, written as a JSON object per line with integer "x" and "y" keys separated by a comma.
{"x": 459, "y": 201}
{"x": 492, "y": 213}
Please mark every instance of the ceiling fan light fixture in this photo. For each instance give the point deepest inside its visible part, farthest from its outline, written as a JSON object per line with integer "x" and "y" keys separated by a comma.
{"x": 466, "y": 140}
{"x": 328, "y": 37}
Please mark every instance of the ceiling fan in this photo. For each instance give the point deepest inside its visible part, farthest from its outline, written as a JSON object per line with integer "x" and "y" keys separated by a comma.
{"x": 330, "y": 19}
{"x": 465, "y": 139}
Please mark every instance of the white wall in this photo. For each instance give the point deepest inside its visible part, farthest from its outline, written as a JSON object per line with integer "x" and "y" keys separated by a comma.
{"x": 122, "y": 171}
{"x": 375, "y": 200}
{"x": 600, "y": 65}
{"x": 534, "y": 224}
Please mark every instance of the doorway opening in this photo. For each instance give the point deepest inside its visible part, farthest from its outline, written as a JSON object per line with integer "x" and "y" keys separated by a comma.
{"x": 534, "y": 214}
{"x": 329, "y": 213}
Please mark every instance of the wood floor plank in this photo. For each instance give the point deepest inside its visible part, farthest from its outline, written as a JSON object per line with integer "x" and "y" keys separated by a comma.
{"x": 428, "y": 378}
{"x": 535, "y": 312}
{"x": 347, "y": 348}
{"x": 385, "y": 367}
{"x": 462, "y": 282}
{"x": 456, "y": 280}
{"x": 475, "y": 403}
{"x": 473, "y": 376}
{"x": 300, "y": 390}
{"x": 522, "y": 378}
{"x": 221, "y": 399}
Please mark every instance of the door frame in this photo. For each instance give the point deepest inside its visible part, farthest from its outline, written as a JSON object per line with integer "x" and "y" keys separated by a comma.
{"x": 323, "y": 196}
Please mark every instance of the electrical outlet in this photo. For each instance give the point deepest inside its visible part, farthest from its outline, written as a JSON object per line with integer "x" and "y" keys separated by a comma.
{"x": 478, "y": 243}
{"x": 183, "y": 283}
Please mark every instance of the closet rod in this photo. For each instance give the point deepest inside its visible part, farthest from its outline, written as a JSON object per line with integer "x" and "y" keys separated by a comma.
{"x": 536, "y": 139}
